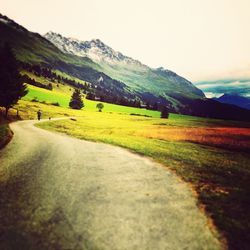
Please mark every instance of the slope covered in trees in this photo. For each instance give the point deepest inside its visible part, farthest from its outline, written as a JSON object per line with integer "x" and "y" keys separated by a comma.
{"x": 12, "y": 87}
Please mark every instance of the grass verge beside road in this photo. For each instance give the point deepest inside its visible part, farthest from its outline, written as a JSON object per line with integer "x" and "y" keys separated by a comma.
{"x": 204, "y": 152}
{"x": 5, "y": 134}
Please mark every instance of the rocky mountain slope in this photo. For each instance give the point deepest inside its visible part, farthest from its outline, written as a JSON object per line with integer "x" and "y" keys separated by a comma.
{"x": 159, "y": 82}
{"x": 94, "y": 49}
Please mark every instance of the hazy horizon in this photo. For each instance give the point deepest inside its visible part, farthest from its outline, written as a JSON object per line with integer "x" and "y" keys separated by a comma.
{"x": 200, "y": 40}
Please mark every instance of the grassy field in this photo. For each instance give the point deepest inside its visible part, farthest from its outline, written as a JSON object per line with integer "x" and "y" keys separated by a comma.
{"x": 62, "y": 96}
{"x": 212, "y": 155}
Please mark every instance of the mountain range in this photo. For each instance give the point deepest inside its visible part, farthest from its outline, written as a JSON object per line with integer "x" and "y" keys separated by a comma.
{"x": 235, "y": 99}
{"x": 136, "y": 75}
{"x": 110, "y": 72}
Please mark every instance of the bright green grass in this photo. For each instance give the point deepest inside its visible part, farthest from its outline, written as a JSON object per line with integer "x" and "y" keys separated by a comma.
{"x": 44, "y": 95}
{"x": 61, "y": 93}
{"x": 28, "y": 110}
{"x": 58, "y": 87}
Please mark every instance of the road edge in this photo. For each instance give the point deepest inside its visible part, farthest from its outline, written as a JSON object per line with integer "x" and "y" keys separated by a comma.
{"x": 7, "y": 137}
{"x": 202, "y": 208}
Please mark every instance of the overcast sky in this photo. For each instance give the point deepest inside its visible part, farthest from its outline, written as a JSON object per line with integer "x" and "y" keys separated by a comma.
{"x": 198, "y": 39}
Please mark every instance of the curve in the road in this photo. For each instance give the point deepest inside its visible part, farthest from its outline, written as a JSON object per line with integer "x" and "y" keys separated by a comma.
{"x": 59, "y": 192}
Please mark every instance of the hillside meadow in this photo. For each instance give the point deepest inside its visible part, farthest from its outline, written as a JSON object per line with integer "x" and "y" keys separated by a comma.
{"x": 62, "y": 93}
{"x": 213, "y": 156}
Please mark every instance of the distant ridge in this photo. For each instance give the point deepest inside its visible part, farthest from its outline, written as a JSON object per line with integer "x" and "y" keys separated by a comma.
{"x": 235, "y": 99}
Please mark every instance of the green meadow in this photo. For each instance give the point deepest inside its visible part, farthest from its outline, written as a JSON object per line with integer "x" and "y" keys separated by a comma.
{"x": 62, "y": 96}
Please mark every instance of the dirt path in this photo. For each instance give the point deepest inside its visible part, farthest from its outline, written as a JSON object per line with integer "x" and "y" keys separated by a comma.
{"x": 58, "y": 192}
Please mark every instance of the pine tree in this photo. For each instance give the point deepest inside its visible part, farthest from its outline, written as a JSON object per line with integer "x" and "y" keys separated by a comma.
{"x": 76, "y": 100}
{"x": 12, "y": 87}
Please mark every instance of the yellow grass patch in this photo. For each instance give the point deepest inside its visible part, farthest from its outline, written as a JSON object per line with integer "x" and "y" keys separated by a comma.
{"x": 235, "y": 138}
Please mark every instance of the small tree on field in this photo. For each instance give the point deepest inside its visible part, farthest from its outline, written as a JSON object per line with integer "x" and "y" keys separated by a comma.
{"x": 76, "y": 100}
{"x": 99, "y": 106}
{"x": 164, "y": 113}
{"x": 12, "y": 87}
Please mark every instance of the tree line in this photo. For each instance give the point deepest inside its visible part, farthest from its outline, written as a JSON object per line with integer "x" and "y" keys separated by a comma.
{"x": 48, "y": 73}
{"x": 91, "y": 90}
{"x": 13, "y": 87}
{"x": 31, "y": 81}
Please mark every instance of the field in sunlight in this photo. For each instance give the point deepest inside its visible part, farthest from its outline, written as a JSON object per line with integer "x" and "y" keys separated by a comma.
{"x": 229, "y": 138}
{"x": 212, "y": 155}
{"x": 62, "y": 94}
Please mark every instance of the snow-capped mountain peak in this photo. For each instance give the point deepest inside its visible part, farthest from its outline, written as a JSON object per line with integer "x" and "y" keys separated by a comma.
{"x": 95, "y": 49}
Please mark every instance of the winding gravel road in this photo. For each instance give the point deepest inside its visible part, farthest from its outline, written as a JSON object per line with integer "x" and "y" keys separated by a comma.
{"x": 58, "y": 192}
